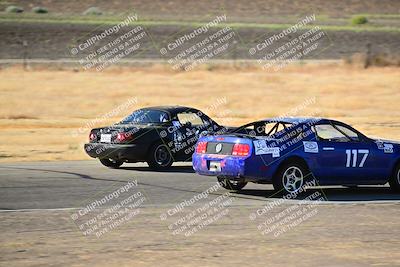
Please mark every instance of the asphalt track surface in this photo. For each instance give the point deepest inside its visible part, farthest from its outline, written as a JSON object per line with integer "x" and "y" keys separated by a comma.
{"x": 352, "y": 227}
{"x": 58, "y": 185}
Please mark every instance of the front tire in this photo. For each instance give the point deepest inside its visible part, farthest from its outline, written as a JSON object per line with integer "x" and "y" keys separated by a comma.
{"x": 160, "y": 157}
{"x": 111, "y": 163}
{"x": 394, "y": 181}
{"x": 231, "y": 185}
{"x": 290, "y": 178}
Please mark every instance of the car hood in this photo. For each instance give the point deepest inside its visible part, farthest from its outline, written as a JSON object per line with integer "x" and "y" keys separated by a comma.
{"x": 383, "y": 140}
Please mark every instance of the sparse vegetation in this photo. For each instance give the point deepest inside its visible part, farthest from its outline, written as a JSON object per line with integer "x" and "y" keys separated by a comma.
{"x": 40, "y": 10}
{"x": 93, "y": 11}
{"x": 14, "y": 9}
{"x": 359, "y": 20}
{"x": 20, "y": 117}
{"x": 379, "y": 60}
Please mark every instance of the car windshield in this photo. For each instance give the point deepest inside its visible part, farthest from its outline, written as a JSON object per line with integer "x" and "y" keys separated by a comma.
{"x": 144, "y": 116}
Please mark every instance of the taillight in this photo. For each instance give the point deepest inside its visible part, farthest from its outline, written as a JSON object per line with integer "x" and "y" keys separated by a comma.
{"x": 240, "y": 150}
{"x": 201, "y": 147}
{"x": 123, "y": 136}
{"x": 92, "y": 136}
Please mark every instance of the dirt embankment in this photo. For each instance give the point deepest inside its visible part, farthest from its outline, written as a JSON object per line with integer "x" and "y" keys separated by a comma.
{"x": 54, "y": 41}
{"x": 239, "y": 10}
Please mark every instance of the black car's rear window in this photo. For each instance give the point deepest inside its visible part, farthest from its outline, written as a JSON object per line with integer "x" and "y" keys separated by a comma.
{"x": 143, "y": 116}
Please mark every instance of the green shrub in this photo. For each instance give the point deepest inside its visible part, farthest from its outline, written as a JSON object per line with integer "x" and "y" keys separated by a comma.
{"x": 40, "y": 10}
{"x": 93, "y": 11}
{"x": 358, "y": 20}
{"x": 14, "y": 9}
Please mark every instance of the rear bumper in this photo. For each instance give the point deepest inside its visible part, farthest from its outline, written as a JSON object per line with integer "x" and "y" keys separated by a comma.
{"x": 130, "y": 152}
{"x": 230, "y": 165}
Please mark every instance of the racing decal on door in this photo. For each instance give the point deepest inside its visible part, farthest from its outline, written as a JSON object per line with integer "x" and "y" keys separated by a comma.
{"x": 310, "y": 147}
{"x": 352, "y": 157}
{"x": 178, "y": 138}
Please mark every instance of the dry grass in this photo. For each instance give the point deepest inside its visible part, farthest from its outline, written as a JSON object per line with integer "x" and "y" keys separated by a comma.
{"x": 42, "y": 110}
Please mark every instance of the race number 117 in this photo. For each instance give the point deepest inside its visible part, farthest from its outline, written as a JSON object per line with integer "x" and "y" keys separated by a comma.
{"x": 352, "y": 157}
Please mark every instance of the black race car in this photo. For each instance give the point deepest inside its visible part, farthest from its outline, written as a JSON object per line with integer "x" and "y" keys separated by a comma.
{"x": 156, "y": 135}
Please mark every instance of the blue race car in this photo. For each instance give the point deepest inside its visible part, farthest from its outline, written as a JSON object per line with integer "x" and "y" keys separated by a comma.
{"x": 289, "y": 152}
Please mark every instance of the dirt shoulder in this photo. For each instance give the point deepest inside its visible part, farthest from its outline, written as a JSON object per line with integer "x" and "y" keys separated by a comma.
{"x": 329, "y": 238}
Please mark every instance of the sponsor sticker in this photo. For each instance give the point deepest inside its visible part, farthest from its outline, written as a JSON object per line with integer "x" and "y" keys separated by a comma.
{"x": 310, "y": 147}
{"x": 262, "y": 149}
{"x": 379, "y": 144}
{"x": 105, "y": 138}
{"x": 176, "y": 123}
{"x": 388, "y": 148}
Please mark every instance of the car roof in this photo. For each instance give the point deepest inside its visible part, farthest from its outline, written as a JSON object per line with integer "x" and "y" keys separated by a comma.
{"x": 299, "y": 120}
{"x": 172, "y": 109}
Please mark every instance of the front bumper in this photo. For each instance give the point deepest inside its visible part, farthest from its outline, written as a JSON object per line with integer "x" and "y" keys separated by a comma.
{"x": 130, "y": 152}
{"x": 230, "y": 165}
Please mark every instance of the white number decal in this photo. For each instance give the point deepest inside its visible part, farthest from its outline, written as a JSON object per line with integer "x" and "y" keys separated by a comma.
{"x": 352, "y": 161}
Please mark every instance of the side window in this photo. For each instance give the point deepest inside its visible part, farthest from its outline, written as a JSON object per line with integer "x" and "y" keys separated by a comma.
{"x": 163, "y": 117}
{"x": 329, "y": 133}
{"x": 259, "y": 129}
{"x": 269, "y": 128}
{"x": 278, "y": 129}
{"x": 190, "y": 118}
{"x": 350, "y": 133}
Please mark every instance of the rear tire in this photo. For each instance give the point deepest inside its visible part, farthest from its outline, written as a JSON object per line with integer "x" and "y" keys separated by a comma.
{"x": 231, "y": 185}
{"x": 111, "y": 163}
{"x": 159, "y": 157}
{"x": 290, "y": 178}
{"x": 394, "y": 181}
